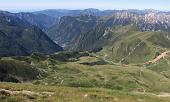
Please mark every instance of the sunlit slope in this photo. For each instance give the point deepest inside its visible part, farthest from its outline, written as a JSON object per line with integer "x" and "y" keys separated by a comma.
{"x": 133, "y": 46}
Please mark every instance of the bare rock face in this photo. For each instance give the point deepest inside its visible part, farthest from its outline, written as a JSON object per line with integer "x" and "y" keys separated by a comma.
{"x": 150, "y": 21}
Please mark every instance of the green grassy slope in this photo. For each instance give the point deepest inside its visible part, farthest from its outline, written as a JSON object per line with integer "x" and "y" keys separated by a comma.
{"x": 82, "y": 76}
{"x": 81, "y": 69}
{"x": 17, "y": 71}
{"x": 133, "y": 46}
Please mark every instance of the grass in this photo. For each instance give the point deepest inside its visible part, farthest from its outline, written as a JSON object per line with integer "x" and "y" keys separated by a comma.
{"x": 132, "y": 46}
{"x": 67, "y": 94}
{"x": 13, "y": 70}
{"x": 91, "y": 72}
{"x": 76, "y": 82}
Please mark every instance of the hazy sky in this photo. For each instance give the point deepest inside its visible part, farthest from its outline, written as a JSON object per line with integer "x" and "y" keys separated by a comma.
{"x": 28, "y": 5}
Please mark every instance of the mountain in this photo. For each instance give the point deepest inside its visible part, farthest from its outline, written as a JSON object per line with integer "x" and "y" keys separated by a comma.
{"x": 124, "y": 37}
{"x": 147, "y": 21}
{"x": 22, "y": 38}
{"x": 66, "y": 27}
{"x": 70, "y": 29}
{"x": 9, "y": 47}
{"x": 42, "y": 21}
{"x": 58, "y": 13}
{"x": 128, "y": 45}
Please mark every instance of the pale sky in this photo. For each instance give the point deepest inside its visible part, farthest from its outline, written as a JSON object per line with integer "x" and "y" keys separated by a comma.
{"x": 29, "y": 5}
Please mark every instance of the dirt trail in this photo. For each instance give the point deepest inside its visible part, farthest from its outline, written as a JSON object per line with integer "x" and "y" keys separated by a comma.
{"x": 162, "y": 55}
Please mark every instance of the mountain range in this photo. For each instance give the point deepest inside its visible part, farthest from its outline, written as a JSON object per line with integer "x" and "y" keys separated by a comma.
{"x": 70, "y": 29}
{"x": 79, "y": 30}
